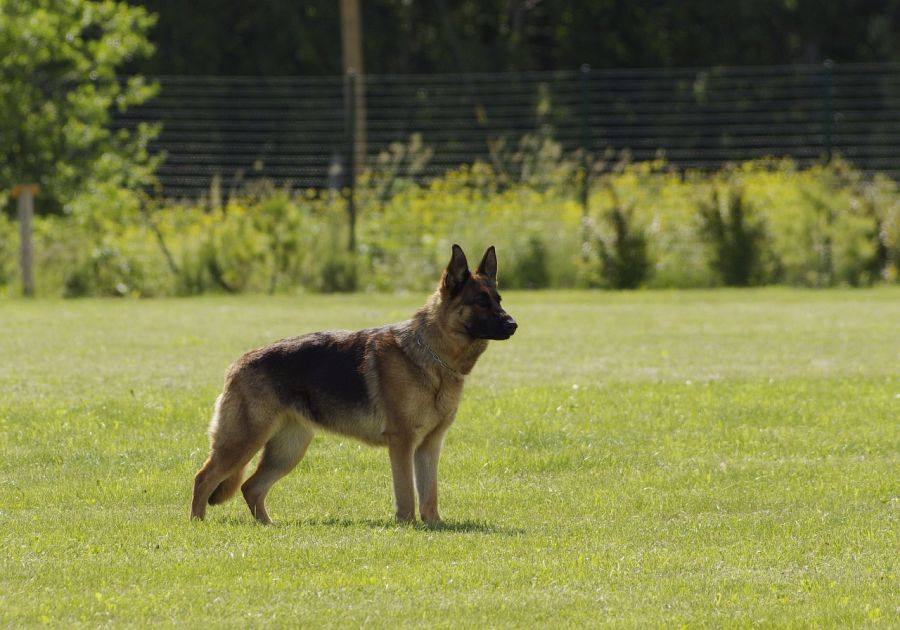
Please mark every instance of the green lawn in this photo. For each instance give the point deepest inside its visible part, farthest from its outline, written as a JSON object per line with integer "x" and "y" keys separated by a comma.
{"x": 646, "y": 459}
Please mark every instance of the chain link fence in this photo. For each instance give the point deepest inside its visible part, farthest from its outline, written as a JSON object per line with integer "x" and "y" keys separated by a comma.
{"x": 301, "y": 132}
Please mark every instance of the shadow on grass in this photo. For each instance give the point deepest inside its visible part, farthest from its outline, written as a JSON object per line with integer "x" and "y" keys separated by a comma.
{"x": 465, "y": 527}
{"x": 468, "y": 527}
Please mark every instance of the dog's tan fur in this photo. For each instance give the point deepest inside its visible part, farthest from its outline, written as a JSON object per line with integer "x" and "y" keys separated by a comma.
{"x": 397, "y": 386}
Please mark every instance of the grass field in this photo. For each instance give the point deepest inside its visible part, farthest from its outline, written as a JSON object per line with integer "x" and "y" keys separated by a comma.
{"x": 647, "y": 459}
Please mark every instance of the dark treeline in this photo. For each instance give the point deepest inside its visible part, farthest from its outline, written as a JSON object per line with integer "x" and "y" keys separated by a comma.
{"x": 291, "y": 37}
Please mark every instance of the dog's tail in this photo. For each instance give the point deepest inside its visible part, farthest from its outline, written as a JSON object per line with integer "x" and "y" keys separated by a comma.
{"x": 227, "y": 488}
{"x": 226, "y": 409}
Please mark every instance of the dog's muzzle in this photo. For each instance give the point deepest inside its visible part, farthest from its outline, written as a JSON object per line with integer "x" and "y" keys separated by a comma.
{"x": 509, "y": 326}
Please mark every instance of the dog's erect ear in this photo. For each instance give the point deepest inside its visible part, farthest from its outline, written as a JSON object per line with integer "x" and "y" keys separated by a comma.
{"x": 488, "y": 266}
{"x": 457, "y": 271}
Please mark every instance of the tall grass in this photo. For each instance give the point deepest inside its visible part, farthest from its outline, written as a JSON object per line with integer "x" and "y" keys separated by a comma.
{"x": 646, "y": 226}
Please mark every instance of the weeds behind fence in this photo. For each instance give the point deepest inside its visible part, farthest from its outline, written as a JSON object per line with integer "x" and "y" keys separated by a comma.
{"x": 650, "y": 226}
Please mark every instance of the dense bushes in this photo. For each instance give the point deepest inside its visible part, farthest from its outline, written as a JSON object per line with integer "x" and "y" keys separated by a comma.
{"x": 758, "y": 223}
{"x": 621, "y": 247}
{"x": 737, "y": 236}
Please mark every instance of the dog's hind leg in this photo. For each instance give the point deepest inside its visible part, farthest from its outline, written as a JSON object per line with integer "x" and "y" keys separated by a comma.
{"x": 226, "y": 488}
{"x": 216, "y": 470}
{"x": 233, "y": 443}
{"x": 281, "y": 454}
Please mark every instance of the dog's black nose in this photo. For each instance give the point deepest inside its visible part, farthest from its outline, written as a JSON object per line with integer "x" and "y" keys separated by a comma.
{"x": 510, "y": 325}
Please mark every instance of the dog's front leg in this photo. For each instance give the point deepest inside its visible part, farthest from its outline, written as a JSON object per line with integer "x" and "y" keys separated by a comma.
{"x": 426, "y": 459}
{"x": 401, "y": 452}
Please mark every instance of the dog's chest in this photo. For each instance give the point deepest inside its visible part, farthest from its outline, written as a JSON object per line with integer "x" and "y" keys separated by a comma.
{"x": 440, "y": 408}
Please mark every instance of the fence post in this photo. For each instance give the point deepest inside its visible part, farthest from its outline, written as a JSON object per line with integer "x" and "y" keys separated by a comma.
{"x": 352, "y": 58}
{"x": 826, "y": 273}
{"x": 585, "y": 148}
{"x": 350, "y": 99}
{"x": 25, "y": 193}
{"x": 828, "y": 65}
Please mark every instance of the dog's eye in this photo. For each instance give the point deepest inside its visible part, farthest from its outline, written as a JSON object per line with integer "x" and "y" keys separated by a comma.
{"x": 483, "y": 300}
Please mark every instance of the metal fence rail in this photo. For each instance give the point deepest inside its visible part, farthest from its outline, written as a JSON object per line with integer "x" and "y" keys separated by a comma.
{"x": 297, "y": 131}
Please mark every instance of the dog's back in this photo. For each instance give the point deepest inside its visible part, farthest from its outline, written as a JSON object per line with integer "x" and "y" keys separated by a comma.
{"x": 327, "y": 379}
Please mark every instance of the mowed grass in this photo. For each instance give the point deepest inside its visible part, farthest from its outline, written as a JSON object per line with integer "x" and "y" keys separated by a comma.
{"x": 648, "y": 459}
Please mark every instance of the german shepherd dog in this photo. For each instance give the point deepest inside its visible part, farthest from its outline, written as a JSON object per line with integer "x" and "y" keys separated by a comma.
{"x": 397, "y": 386}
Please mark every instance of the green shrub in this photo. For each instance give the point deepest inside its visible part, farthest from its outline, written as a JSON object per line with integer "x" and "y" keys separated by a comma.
{"x": 623, "y": 253}
{"x": 338, "y": 275}
{"x": 820, "y": 233}
{"x": 9, "y": 247}
{"x": 529, "y": 268}
{"x": 736, "y": 235}
{"x": 877, "y": 205}
{"x": 883, "y": 197}
{"x": 816, "y": 226}
{"x": 105, "y": 272}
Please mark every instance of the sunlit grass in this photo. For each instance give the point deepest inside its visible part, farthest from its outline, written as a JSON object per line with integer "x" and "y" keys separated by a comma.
{"x": 648, "y": 459}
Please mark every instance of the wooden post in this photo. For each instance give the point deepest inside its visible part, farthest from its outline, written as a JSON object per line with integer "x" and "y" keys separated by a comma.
{"x": 351, "y": 49}
{"x": 350, "y": 79}
{"x": 25, "y": 194}
{"x": 829, "y": 108}
{"x": 585, "y": 162}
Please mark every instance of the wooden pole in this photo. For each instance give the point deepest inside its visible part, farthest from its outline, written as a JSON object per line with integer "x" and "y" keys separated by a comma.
{"x": 585, "y": 162}
{"x": 350, "y": 82}
{"x": 351, "y": 49}
{"x": 25, "y": 194}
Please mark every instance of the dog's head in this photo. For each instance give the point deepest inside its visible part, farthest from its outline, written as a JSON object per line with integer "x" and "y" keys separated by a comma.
{"x": 471, "y": 300}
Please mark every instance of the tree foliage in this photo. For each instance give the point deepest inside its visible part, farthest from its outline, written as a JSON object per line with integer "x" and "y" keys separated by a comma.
{"x": 58, "y": 64}
{"x": 285, "y": 37}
